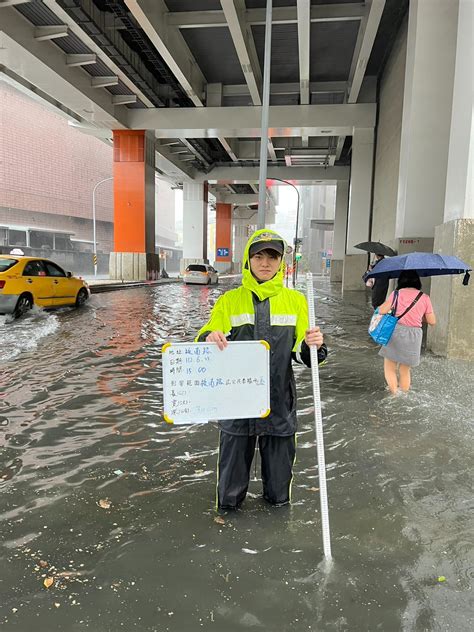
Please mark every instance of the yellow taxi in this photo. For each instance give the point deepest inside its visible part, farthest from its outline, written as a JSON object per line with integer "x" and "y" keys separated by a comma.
{"x": 28, "y": 281}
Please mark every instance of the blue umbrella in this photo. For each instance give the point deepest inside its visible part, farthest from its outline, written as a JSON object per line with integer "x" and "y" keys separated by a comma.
{"x": 424, "y": 263}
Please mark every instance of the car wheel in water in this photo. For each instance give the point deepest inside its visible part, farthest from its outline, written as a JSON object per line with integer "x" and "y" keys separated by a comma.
{"x": 81, "y": 298}
{"x": 25, "y": 303}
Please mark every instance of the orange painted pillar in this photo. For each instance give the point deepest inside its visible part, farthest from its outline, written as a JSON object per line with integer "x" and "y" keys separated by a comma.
{"x": 223, "y": 234}
{"x": 132, "y": 218}
{"x": 134, "y": 207}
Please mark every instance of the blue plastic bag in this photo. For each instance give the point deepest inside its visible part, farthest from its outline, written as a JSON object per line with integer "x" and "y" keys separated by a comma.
{"x": 381, "y": 327}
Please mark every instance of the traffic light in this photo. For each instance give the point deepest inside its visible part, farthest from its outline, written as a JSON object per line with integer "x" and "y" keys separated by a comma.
{"x": 298, "y": 256}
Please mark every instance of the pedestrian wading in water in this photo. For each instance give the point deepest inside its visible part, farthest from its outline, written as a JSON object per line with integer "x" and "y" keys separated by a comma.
{"x": 403, "y": 349}
{"x": 263, "y": 309}
{"x": 379, "y": 286}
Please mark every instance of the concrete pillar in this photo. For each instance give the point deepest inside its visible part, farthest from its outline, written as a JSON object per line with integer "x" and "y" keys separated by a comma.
{"x": 134, "y": 257}
{"x": 453, "y": 335}
{"x": 223, "y": 258}
{"x": 459, "y": 202}
{"x": 194, "y": 224}
{"x": 360, "y": 200}
{"x": 427, "y": 108}
{"x": 240, "y": 239}
{"x": 340, "y": 229}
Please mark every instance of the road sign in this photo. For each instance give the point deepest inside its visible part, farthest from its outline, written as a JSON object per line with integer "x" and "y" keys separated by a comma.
{"x": 289, "y": 250}
{"x": 223, "y": 252}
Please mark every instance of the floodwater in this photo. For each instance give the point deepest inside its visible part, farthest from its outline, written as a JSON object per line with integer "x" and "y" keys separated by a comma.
{"x": 114, "y": 509}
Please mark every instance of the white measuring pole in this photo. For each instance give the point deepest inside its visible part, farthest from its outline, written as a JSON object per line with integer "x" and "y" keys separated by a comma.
{"x": 262, "y": 191}
{"x": 323, "y": 494}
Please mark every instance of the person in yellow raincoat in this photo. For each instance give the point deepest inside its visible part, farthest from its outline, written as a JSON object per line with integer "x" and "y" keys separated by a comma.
{"x": 263, "y": 309}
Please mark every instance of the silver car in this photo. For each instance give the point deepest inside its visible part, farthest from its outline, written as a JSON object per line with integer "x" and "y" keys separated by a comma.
{"x": 201, "y": 273}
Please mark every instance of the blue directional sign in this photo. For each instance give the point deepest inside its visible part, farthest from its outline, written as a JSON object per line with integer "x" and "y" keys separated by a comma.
{"x": 222, "y": 252}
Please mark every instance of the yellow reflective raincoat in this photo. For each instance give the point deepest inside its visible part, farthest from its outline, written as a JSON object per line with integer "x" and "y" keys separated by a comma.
{"x": 266, "y": 311}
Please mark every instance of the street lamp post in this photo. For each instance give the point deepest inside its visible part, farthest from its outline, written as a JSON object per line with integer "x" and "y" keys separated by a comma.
{"x": 93, "y": 221}
{"x": 295, "y": 246}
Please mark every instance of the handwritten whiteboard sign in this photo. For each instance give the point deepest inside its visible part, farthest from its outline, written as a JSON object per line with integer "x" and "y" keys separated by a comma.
{"x": 203, "y": 383}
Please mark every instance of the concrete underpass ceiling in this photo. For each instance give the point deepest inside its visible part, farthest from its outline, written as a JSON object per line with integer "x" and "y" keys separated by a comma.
{"x": 192, "y": 71}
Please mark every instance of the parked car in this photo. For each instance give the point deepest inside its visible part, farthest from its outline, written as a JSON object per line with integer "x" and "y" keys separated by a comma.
{"x": 201, "y": 273}
{"x": 28, "y": 281}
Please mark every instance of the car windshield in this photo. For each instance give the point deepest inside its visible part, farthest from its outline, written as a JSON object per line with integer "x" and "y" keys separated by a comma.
{"x": 6, "y": 264}
{"x": 196, "y": 268}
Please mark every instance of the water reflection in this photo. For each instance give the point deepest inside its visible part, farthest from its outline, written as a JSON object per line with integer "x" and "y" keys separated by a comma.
{"x": 101, "y": 496}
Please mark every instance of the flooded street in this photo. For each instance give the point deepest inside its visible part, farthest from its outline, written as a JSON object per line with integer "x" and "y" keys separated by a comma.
{"x": 116, "y": 508}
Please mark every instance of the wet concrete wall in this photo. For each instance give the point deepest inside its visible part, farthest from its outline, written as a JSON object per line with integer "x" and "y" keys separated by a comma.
{"x": 387, "y": 157}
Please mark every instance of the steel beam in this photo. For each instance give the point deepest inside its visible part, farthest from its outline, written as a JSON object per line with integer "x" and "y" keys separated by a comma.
{"x": 244, "y": 45}
{"x": 271, "y": 151}
{"x": 281, "y": 15}
{"x": 300, "y": 175}
{"x": 171, "y": 165}
{"x": 80, "y": 60}
{"x": 101, "y": 54}
{"x": 303, "y": 9}
{"x": 124, "y": 99}
{"x": 365, "y": 41}
{"x": 23, "y": 84}
{"x": 44, "y": 65}
{"x": 151, "y": 16}
{"x": 241, "y": 199}
{"x": 195, "y": 152}
{"x": 228, "y": 147}
{"x": 43, "y": 33}
{"x": 340, "y": 146}
{"x": 235, "y": 122}
{"x": 12, "y": 3}
{"x": 104, "y": 82}
{"x": 315, "y": 87}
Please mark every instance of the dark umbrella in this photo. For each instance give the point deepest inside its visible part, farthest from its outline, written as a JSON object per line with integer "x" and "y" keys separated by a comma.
{"x": 377, "y": 248}
{"x": 424, "y": 263}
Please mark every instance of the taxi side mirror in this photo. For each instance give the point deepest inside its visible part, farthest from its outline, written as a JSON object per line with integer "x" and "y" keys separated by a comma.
{"x": 69, "y": 274}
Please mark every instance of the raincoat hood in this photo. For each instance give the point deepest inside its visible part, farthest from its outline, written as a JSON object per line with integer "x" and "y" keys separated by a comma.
{"x": 268, "y": 288}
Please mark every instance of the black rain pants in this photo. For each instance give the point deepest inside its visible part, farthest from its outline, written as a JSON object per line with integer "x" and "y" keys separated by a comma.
{"x": 235, "y": 459}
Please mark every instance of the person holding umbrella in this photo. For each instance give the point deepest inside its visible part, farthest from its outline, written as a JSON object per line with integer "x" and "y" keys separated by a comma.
{"x": 403, "y": 349}
{"x": 378, "y": 285}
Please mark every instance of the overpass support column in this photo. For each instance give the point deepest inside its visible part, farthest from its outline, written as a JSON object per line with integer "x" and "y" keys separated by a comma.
{"x": 426, "y": 120}
{"x": 340, "y": 229}
{"x": 452, "y": 336}
{"x": 240, "y": 240}
{"x": 195, "y": 197}
{"x": 360, "y": 204}
{"x": 223, "y": 258}
{"x": 134, "y": 257}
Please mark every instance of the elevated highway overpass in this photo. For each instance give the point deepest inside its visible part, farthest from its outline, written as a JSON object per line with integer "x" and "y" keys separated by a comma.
{"x": 362, "y": 96}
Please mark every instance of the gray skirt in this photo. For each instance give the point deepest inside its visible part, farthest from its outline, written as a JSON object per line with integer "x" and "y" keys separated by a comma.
{"x": 404, "y": 346}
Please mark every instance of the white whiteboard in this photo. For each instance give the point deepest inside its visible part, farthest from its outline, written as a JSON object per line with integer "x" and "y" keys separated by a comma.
{"x": 202, "y": 383}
